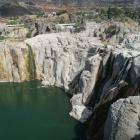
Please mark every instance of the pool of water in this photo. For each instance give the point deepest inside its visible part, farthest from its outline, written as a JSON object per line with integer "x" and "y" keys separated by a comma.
{"x": 30, "y": 112}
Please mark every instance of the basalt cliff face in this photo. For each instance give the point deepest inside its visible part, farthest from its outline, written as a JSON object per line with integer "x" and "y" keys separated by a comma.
{"x": 97, "y": 75}
{"x": 123, "y": 120}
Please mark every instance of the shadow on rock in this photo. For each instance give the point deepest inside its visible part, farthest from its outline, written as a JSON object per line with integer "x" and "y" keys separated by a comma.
{"x": 136, "y": 137}
{"x": 80, "y": 131}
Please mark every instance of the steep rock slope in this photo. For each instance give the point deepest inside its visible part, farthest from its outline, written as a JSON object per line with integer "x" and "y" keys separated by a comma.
{"x": 16, "y": 61}
{"x": 123, "y": 120}
{"x": 59, "y": 57}
{"x": 56, "y": 57}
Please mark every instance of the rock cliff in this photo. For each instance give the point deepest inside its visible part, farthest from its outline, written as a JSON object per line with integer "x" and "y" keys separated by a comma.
{"x": 95, "y": 74}
{"x": 123, "y": 122}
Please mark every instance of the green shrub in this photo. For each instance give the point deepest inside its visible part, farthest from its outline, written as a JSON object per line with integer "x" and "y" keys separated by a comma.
{"x": 13, "y": 20}
{"x": 40, "y": 14}
{"x": 29, "y": 34}
{"x": 2, "y": 38}
{"x": 110, "y": 31}
{"x": 61, "y": 21}
{"x": 109, "y": 13}
{"x": 79, "y": 26}
{"x": 115, "y": 12}
{"x": 61, "y": 12}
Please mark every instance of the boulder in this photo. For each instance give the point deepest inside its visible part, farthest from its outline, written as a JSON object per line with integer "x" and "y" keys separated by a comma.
{"x": 123, "y": 121}
{"x": 79, "y": 111}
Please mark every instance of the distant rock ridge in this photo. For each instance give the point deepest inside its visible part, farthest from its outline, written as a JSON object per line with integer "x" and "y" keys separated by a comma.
{"x": 88, "y": 2}
{"x": 10, "y": 9}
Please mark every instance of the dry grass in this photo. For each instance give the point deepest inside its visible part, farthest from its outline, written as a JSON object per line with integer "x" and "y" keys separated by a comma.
{"x": 58, "y": 8}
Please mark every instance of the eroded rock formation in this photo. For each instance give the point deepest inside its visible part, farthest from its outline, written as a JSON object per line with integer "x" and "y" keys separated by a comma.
{"x": 95, "y": 74}
{"x": 123, "y": 122}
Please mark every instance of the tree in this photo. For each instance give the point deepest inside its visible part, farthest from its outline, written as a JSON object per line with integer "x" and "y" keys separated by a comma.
{"x": 109, "y": 12}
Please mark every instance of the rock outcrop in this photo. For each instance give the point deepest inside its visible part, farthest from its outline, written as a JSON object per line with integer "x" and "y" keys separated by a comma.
{"x": 56, "y": 57}
{"x": 123, "y": 121}
{"x": 16, "y": 62}
{"x": 115, "y": 32}
{"x": 59, "y": 57}
{"x": 121, "y": 80}
{"x": 79, "y": 110}
{"x": 17, "y": 31}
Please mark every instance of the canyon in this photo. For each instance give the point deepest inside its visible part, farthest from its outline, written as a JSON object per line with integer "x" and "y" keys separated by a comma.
{"x": 95, "y": 73}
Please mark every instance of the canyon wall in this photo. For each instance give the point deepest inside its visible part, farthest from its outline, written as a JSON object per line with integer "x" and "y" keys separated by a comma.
{"x": 123, "y": 120}
{"x": 97, "y": 75}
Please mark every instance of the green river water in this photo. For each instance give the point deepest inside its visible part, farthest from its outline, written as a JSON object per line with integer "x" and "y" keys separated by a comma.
{"x": 30, "y": 112}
